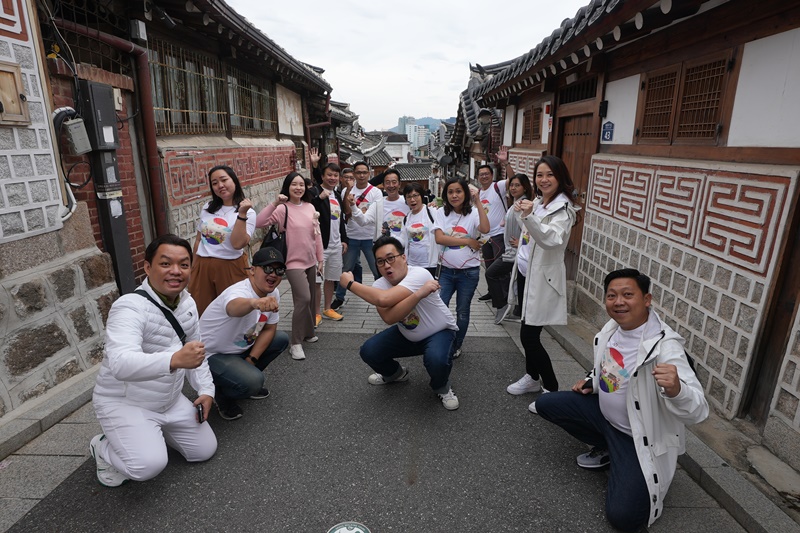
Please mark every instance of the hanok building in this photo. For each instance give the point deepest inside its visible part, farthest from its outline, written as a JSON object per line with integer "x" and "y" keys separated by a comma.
{"x": 678, "y": 121}
{"x": 113, "y": 113}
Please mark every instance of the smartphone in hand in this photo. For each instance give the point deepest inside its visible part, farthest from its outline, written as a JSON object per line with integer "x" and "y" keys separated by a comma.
{"x": 587, "y": 384}
{"x": 200, "y": 416}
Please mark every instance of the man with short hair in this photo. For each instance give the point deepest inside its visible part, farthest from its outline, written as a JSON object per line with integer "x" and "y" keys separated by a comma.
{"x": 361, "y": 237}
{"x": 387, "y": 213}
{"x": 240, "y": 330}
{"x": 493, "y": 200}
{"x": 634, "y": 404}
{"x": 332, "y": 211}
{"x": 152, "y": 344}
{"x": 407, "y": 296}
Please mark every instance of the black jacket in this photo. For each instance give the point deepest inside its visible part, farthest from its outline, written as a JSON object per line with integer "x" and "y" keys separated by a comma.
{"x": 323, "y": 207}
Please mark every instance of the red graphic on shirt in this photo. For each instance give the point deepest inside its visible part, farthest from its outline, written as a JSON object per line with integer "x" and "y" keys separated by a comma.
{"x": 460, "y": 232}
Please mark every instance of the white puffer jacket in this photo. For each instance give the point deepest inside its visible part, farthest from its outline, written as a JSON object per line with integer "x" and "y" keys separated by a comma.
{"x": 140, "y": 343}
{"x": 657, "y": 421}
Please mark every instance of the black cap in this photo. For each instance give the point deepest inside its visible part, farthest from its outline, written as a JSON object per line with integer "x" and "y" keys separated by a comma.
{"x": 268, "y": 256}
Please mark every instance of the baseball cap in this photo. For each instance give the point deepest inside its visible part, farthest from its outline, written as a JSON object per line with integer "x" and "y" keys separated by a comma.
{"x": 268, "y": 256}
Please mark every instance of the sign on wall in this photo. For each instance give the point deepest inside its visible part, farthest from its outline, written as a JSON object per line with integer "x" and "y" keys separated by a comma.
{"x": 290, "y": 111}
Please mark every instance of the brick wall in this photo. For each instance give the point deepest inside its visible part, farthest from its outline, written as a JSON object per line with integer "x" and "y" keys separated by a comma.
{"x": 260, "y": 170}
{"x": 708, "y": 236}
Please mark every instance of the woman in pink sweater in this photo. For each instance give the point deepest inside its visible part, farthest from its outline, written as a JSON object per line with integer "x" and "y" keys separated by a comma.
{"x": 303, "y": 253}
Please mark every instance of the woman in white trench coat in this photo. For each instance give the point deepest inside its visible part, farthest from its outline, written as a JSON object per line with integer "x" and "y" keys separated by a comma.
{"x": 539, "y": 273}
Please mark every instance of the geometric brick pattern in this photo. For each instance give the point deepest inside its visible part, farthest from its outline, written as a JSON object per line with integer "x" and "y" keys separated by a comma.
{"x": 523, "y": 161}
{"x": 732, "y": 217}
{"x": 707, "y": 239}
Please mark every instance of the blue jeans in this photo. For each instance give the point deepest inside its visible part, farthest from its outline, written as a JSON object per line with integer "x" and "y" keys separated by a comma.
{"x": 236, "y": 378}
{"x": 354, "y": 248}
{"x": 464, "y": 282}
{"x": 380, "y": 351}
{"x": 627, "y": 498}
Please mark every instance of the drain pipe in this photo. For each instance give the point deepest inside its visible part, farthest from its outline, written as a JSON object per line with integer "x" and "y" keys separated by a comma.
{"x": 146, "y": 108}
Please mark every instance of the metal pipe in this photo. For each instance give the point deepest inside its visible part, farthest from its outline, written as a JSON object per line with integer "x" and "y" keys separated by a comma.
{"x": 146, "y": 108}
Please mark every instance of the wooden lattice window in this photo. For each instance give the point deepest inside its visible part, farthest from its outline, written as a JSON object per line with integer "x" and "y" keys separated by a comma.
{"x": 532, "y": 124}
{"x": 685, "y": 103}
{"x": 252, "y": 103}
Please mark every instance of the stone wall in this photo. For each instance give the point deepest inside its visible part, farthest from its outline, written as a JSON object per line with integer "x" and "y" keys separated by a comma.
{"x": 30, "y": 193}
{"x": 523, "y": 161}
{"x": 708, "y": 235}
{"x": 783, "y": 425}
{"x": 52, "y": 313}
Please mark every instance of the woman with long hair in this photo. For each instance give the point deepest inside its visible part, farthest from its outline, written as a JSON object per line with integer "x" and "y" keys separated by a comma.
{"x": 499, "y": 273}
{"x": 539, "y": 270}
{"x": 457, "y": 227}
{"x": 304, "y": 253}
{"x": 226, "y": 224}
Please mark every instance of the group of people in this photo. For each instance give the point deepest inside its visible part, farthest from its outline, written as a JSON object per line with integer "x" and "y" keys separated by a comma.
{"x": 222, "y": 332}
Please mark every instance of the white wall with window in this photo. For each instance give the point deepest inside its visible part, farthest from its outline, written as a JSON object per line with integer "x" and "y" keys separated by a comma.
{"x": 622, "y": 96}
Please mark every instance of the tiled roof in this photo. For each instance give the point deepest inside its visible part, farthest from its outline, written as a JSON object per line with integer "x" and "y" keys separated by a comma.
{"x": 565, "y": 47}
{"x": 379, "y": 158}
{"x": 413, "y": 171}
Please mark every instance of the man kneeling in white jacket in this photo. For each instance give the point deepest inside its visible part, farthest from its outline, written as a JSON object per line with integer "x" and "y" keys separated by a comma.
{"x": 138, "y": 397}
{"x": 633, "y": 406}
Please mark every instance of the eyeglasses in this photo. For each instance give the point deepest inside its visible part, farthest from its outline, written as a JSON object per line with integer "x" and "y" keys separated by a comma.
{"x": 280, "y": 271}
{"x": 388, "y": 259}
{"x": 413, "y": 196}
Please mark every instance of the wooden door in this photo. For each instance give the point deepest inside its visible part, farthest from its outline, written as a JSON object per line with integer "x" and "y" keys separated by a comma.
{"x": 577, "y": 144}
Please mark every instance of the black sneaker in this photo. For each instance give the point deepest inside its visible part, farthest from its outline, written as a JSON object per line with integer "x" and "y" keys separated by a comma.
{"x": 228, "y": 408}
{"x": 485, "y": 298}
{"x": 261, "y": 394}
{"x": 594, "y": 459}
{"x": 336, "y": 304}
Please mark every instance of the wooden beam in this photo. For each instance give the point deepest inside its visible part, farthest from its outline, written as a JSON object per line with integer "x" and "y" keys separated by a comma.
{"x": 729, "y": 154}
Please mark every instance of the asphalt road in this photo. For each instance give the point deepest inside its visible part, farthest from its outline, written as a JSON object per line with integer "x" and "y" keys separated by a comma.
{"x": 327, "y": 447}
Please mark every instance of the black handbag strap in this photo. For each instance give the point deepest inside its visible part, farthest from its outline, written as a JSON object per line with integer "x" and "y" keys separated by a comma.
{"x": 168, "y": 314}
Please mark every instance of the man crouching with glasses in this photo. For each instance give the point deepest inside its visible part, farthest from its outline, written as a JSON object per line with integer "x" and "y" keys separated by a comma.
{"x": 240, "y": 330}
{"x": 408, "y": 297}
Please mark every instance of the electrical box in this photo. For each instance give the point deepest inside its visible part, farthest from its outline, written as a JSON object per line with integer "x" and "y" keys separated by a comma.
{"x": 77, "y": 139}
{"x": 97, "y": 110}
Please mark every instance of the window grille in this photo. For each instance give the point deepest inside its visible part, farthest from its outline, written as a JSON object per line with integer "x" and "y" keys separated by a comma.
{"x": 700, "y": 104}
{"x": 532, "y": 124}
{"x": 252, "y": 103}
{"x": 584, "y": 90}
{"x": 659, "y": 102}
{"x": 188, "y": 90}
{"x": 684, "y": 103}
{"x": 88, "y": 50}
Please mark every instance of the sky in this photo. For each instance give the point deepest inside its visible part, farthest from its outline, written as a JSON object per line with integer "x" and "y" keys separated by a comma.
{"x": 411, "y": 58}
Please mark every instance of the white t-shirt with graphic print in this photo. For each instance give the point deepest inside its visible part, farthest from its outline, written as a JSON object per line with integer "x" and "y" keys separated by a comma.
{"x": 223, "y": 334}
{"x": 215, "y": 232}
{"x": 494, "y": 206}
{"x": 429, "y": 316}
{"x": 616, "y": 368}
{"x": 455, "y": 225}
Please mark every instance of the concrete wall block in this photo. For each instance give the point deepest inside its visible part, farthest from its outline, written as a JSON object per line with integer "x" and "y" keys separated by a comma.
{"x": 22, "y": 165}
{"x": 11, "y": 224}
{"x": 722, "y": 277}
{"x": 781, "y": 438}
{"x": 67, "y": 370}
{"x": 746, "y": 318}
{"x": 30, "y": 298}
{"x": 27, "y": 139}
{"x": 741, "y": 285}
{"x": 40, "y": 191}
{"x": 104, "y": 303}
{"x": 787, "y": 404}
{"x": 44, "y": 139}
{"x": 92, "y": 354}
{"x": 31, "y": 346}
{"x": 758, "y": 293}
{"x": 706, "y": 270}
{"x": 34, "y": 392}
{"x": 709, "y": 299}
{"x": 44, "y": 165}
{"x": 716, "y": 391}
{"x": 35, "y": 219}
{"x": 712, "y": 330}
{"x": 733, "y": 372}
{"x": 82, "y": 323}
{"x": 97, "y": 270}
{"x": 727, "y": 308}
{"x": 729, "y": 338}
{"x": 23, "y": 54}
{"x": 17, "y": 194}
{"x": 690, "y": 263}
{"x": 7, "y": 140}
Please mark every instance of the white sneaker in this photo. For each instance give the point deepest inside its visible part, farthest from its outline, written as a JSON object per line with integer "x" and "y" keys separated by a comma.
{"x": 449, "y": 400}
{"x": 107, "y": 475}
{"x": 311, "y": 339}
{"x": 532, "y": 406}
{"x": 525, "y": 384}
{"x": 377, "y": 379}
{"x": 457, "y": 354}
{"x": 296, "y": 351}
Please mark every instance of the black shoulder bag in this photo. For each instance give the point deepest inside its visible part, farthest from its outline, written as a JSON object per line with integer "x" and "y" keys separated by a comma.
{"x": 276, "y": 238}
{"x": 167, "y": 314}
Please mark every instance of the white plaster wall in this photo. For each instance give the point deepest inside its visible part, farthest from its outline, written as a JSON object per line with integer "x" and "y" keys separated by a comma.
{"x": 766, "y": 108}
{"x": 622, "y": 96}
{"x": 508, "y": 125}
{"x": 290, "y": 111}
{"x": 518, "y": 133}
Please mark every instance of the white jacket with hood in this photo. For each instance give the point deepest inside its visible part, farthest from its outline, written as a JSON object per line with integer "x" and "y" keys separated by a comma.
{"x": 140, "y": 343}
{"x": 657, "y": 421}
